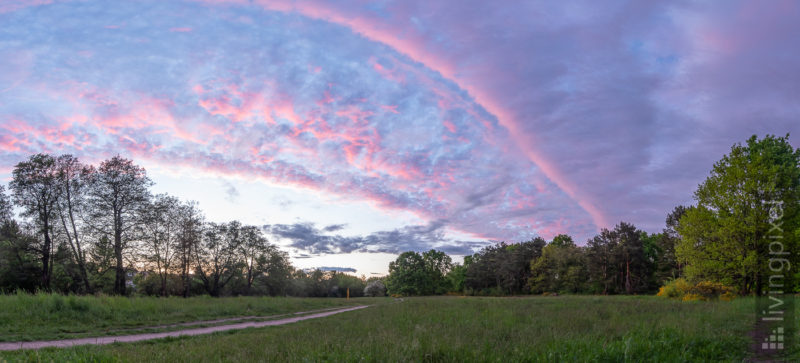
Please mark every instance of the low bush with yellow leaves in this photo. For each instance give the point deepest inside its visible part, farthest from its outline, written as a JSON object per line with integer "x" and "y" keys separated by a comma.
{"x": 681, "y": 289}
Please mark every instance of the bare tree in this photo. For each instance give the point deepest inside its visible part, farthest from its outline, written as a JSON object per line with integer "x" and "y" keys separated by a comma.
{"x": 117, "y": 191}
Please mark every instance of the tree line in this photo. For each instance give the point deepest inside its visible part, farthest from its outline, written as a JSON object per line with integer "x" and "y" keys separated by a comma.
{"x": 742, "y": 234}
{"x": 623, "y": 260}
{"x": 88, "y": 229}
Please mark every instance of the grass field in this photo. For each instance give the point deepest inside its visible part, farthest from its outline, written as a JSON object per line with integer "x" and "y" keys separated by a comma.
{"x": 26, "y": 317}
{"x": 564, "y": 328}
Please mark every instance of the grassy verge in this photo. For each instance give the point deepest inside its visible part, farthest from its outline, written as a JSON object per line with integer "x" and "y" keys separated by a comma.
{"x": 26, "y": 317}
{"x": 565, "y": 328}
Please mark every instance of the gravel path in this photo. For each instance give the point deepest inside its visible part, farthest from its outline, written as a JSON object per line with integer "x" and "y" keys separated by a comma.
{"x": 186, "y": 332}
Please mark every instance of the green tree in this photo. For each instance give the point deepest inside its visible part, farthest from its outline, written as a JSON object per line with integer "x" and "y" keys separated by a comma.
{"x": 273, "y": 271}
{"x": 217, "y": 256}
{"x": 458, "y": 275}
{"x": 407, "y": 275}
{"x": 750, "y": 200}
{"x": 35, "y": 189}
{"x": 560, "y": 268}
{"x": 20, "y": 269}
{"x": 502, "y": 269}
{"x": 437, "y": 265}
{"x": 5, "y": 206}
{"x": 619, "y": 262}
{"x": 72, "y": 178}
{"x": 117, "y": 193}
{"x": 413, "y": 273}
{"x": 190, "y": 233}
{"x": 161, "y": 230}
{"x": 668, "y": 266}
{"x": 562, "y": 240}
{"x": 254, "y": 246}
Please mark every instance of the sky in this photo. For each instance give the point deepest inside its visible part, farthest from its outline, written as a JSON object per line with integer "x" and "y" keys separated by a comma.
{"x": 356, "y": 130}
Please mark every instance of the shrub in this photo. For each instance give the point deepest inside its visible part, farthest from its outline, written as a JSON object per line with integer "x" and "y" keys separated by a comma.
{"x": 693, "y": 297}
{"x": 375, "y": 288}
{"x": 675, "y": 289}
{"x": 728, "y": 296}
{"x": 710, "y": 290}
{"x": 681, "y": 289}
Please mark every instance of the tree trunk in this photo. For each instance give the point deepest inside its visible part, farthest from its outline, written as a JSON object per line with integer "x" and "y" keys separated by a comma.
{"x": 46, "y": 256}
{"x": 185, "y": 272}
{"x": 81, "y": 255}
{"x": 119, "y": 282}
{"x": 249, "y": 279}
{"x": 628, "y": 276}
{"x": 76, "y": 250}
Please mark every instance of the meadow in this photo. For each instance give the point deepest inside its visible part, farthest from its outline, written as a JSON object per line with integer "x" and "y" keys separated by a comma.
{"x": 26, "y": 317}
{"x": 450, "y": 329}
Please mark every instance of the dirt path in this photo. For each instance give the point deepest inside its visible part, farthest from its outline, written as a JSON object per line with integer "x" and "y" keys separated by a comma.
{"x": 217, "y": 321}
{"x": 177, "y": 333}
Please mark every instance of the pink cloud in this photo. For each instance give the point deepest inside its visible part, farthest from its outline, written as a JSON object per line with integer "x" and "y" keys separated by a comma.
{"x": 413, "y": 45}
{"x": 8, "y": 6}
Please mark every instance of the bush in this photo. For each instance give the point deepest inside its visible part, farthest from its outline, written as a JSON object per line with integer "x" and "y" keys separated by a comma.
{"x": 693, "y": 297}
{"x": 675, "y": 289}
{"x": 728, "y": 296}
{"x": 375, "y": 289}
{"x": 681, "y": 289}
{"x": 711, "y": 290}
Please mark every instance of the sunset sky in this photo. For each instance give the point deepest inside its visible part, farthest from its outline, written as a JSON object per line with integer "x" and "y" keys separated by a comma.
{"x": 355, "y": 130}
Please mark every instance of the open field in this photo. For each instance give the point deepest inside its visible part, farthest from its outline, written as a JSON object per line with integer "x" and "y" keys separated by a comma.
{"x": 564, "y": 328}
{"x": 26, "y": 317}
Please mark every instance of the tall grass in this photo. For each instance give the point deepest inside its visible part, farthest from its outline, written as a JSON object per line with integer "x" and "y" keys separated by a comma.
{"x": 455, "y": 329}
{"x": 52, "y": 316}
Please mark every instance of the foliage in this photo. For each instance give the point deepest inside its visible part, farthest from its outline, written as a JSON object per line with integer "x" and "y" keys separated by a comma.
{"x": 19, "y": 266}
{"x": 502, "y": 269}
{"x": 619, "y": 261}
{"x": 118, "y": 193}
{"x": 561, "y": 268}
{"x": 375, "y": 289}
{"x": 675, "y": 289}
{"x": 413, "y": 273}
{"x": 85, "y": 230}
{"x": 458, "y": 274}
{"x": 681, "y": 289}
{"x": 88, "y": 230}
{"x": 35, "y": 190}
{"x": 749, "y": 204}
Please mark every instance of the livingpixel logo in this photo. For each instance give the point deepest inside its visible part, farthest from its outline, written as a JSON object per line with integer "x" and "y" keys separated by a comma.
{"x": 774, "y": 341}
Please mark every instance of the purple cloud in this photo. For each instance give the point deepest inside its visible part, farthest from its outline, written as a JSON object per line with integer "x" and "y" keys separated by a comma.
{"x": 504, "y": 120}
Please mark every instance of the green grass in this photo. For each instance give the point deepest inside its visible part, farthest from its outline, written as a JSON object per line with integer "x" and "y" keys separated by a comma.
{"x": 25, "y": 317}
{"x": 564, "y": 328}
